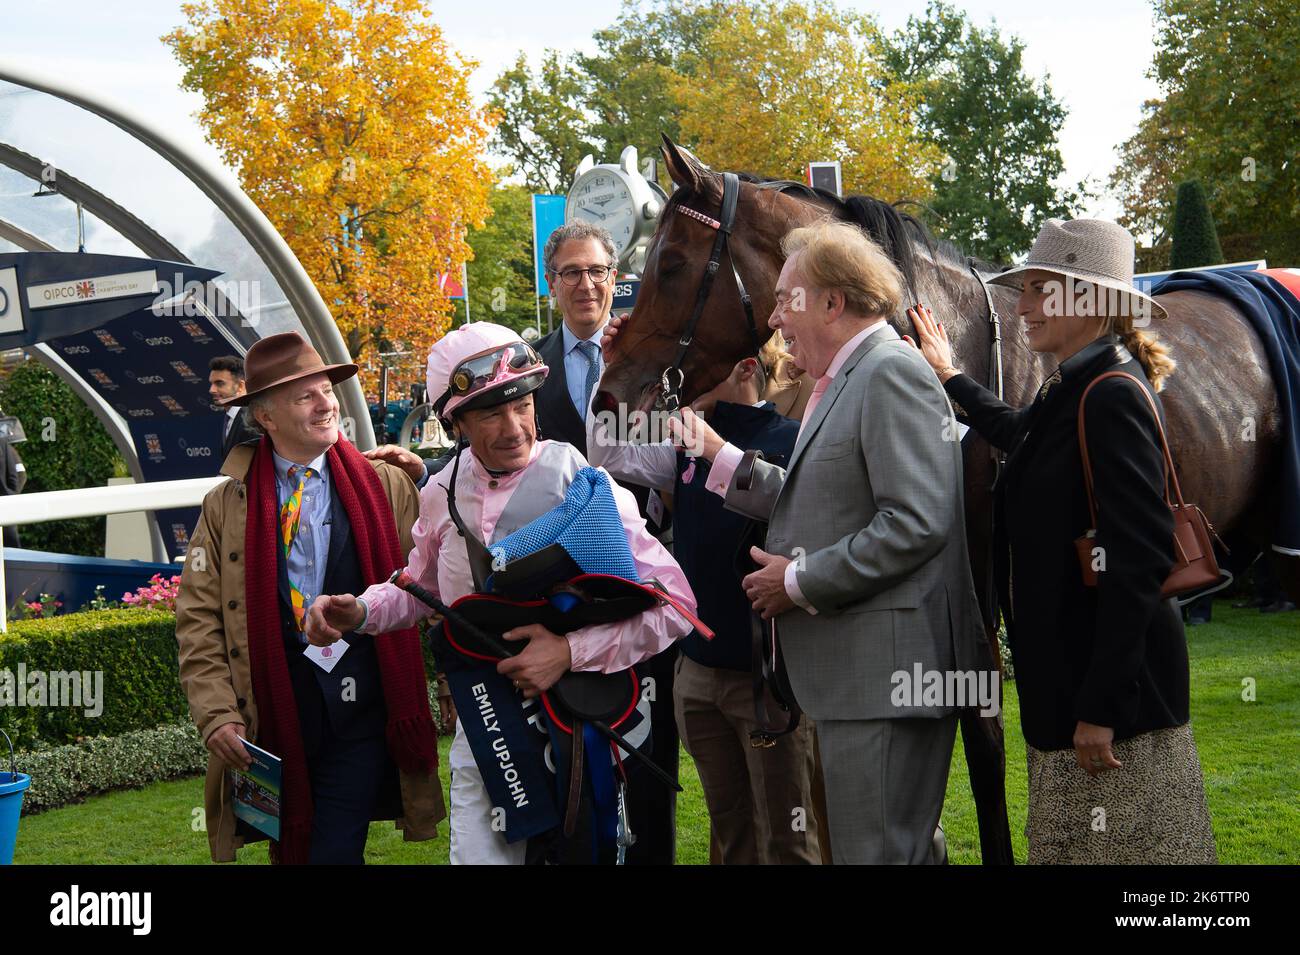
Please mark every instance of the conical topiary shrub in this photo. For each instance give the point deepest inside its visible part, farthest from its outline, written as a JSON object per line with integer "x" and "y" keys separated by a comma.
{"x": 1195, "y": 240}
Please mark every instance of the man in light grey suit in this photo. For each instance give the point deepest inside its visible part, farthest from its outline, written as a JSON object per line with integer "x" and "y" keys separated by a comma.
{"x": 866, "y": 568}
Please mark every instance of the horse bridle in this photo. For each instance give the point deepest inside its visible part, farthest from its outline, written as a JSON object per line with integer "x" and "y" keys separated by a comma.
{"x": 995, "y": 343}
{"x": 997, "y": 386}
{"x": 672, "y": 378}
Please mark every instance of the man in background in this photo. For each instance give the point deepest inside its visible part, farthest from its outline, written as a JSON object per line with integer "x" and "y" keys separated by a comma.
{"x": 226, "y": 381}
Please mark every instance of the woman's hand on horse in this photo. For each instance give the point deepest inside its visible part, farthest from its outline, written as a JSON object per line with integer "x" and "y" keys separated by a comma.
{"x": 609, "y": 334}
{"x": 537, "y": 667}
{"x": 1092, "y": 748}
{"x": 933, "y": 343}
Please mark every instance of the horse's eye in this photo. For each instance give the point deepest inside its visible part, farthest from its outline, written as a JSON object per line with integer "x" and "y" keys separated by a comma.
{"x": 671, "y": 267}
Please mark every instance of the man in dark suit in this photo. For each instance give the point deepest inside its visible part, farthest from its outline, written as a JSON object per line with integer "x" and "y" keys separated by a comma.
{"x": 575, "y": 256}
{"x": 226, "y": 381}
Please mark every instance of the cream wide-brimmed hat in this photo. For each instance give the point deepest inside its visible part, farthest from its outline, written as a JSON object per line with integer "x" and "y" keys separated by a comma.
{"x": 1088, "y": 250}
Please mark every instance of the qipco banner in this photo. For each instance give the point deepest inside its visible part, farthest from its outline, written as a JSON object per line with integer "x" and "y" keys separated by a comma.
{"x": 122, "y": 325}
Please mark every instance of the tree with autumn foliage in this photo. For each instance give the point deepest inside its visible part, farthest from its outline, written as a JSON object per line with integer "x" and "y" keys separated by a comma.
{"x": 780, "y": 84}
{"x": 350, "y": 123}
{"x": 763, "y": 87}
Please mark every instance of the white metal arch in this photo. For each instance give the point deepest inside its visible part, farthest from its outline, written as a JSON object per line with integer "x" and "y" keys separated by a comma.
{"x": 219, "y": 186}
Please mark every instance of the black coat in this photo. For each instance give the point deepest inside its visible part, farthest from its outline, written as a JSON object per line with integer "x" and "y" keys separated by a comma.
{"x": 242, "y": 431}
{"x": 1114, "y": 655}
{"x": 558, "y": 420}
{"x": 711, "y": 543}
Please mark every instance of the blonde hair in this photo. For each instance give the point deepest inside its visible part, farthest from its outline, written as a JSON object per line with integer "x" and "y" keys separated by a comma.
{"x": 1152, "y": 354}
{"x": 777, "y": 363}
{"x": 840, "y": 256}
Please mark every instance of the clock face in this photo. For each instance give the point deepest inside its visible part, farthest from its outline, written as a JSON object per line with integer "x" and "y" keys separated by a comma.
{"x": 602, "y": 197}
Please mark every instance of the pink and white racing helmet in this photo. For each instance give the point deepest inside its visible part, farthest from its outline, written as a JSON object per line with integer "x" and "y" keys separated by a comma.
{"x": 480, "y": 365}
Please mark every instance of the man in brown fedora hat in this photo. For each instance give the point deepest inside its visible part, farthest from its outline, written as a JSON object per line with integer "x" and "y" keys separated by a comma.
{"x": 304, "y": 514}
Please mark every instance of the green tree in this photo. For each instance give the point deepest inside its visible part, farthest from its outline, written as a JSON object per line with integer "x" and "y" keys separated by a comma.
{"x": 66, "y": 449}
{"x": 544, "y": 120}
{"x": 1195, "y": 241}
{"x": 1229, "y": 75}
{"x": 501, "y": 286}
{"x": 629, "y": 81}
{"x": 574, "y": 104}
{"x": 996, "y": 126}
{"x": 802, "y": 82}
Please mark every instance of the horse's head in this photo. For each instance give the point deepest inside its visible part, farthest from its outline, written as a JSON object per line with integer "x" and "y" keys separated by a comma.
{"x": 674, "y": 270}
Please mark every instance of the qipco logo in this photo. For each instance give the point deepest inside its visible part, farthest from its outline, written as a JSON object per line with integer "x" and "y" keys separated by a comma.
{"x": 201, "y": 451}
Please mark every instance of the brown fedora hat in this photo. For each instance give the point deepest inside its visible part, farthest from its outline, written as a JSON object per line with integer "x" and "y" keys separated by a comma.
{"x": 278, "y": 359}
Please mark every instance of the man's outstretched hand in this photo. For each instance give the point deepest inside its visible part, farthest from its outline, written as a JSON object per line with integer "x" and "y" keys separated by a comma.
{"x": 330, "y": 617}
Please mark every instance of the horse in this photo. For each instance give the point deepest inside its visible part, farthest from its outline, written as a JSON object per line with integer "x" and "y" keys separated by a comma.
{"x": 1221, "y": 391}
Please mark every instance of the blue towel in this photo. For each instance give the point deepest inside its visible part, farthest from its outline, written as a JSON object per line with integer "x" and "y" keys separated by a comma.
{"x": 1273, "y": 313}
{"x": 586, "y": 524}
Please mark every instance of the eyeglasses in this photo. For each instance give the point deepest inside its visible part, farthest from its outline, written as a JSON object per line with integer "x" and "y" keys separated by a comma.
{"x": 483, "y": 369}
{"x": 598, "y": 273}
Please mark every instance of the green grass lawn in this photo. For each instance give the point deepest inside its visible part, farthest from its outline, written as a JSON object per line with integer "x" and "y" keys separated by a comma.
{"x": 1250, "y": 752}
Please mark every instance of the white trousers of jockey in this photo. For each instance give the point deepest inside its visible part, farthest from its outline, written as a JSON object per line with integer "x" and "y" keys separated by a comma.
{"x": 481, "y": 377}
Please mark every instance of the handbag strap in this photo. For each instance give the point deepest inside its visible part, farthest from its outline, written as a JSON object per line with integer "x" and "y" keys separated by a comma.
{"x": 1171, "y": 478}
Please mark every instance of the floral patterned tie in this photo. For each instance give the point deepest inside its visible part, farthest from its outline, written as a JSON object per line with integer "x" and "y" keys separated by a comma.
{"x": 289, "y": 515}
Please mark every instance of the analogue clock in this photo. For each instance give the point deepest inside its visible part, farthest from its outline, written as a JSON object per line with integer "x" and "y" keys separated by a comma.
{"x": 603, "y": 198}
{"x": 619, "y": 198}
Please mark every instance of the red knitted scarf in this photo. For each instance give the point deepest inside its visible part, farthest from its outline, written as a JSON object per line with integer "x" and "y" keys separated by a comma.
{"x": 412, "y": 739}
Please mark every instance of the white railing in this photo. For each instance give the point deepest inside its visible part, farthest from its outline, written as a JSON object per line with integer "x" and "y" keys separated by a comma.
{"x": 20, "y": 509}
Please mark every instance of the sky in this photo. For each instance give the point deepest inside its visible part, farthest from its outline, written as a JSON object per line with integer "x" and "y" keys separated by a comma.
{"x": 1095, "y": 55}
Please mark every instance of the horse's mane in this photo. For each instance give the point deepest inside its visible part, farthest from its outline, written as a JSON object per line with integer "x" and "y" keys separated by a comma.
{"x": 899, "y": 234}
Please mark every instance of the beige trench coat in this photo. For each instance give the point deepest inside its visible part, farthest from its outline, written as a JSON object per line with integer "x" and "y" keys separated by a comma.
{"x": 212, "y": 632}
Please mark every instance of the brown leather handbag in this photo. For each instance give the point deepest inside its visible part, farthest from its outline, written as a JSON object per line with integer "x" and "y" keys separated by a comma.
{"x": 1194, "y": 564}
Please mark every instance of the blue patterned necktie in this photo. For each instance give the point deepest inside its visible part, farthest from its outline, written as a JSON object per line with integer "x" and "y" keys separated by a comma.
{"x": 590, "y": 351}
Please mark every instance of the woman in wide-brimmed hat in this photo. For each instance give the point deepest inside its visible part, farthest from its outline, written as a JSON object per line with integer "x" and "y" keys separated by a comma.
{"x": 1101, "y": 672}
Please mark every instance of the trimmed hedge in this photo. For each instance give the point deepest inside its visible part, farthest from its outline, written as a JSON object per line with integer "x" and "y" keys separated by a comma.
{"x": 67, "y": 774}
{"x": 134, "y": 649}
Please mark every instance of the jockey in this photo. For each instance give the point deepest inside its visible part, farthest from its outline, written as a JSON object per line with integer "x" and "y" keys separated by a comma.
{"x": 481, "y": 378}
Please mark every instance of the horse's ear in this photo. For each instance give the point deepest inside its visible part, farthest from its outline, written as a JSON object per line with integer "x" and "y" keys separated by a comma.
{"x": 687, "y": 171}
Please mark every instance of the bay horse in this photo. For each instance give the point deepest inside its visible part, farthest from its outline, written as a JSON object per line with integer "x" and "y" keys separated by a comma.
{"x": 1222, "y": 411}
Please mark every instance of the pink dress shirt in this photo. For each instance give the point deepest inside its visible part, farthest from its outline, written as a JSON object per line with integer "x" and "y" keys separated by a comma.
{"x": 728, "y": 458}
{"x": 440, "y": 563}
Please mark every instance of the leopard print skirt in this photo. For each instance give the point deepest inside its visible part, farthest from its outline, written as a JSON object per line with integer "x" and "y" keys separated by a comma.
{"x": 1150, "y": 812}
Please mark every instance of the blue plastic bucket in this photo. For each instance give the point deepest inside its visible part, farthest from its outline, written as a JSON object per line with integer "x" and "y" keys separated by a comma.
{"x": 12, "y": 786}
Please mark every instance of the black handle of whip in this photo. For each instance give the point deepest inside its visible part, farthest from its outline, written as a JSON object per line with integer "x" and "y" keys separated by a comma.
{"x": 402, "y": 579}
{"x": 641, "y": 757}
